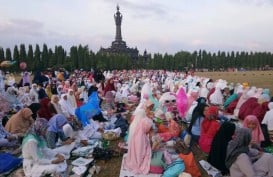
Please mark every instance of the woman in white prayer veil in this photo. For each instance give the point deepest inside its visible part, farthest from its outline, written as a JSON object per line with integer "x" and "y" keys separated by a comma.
{"x": 39, "y": 160}
{"x": 217, "y": 97}
{"x": 11, "y": 97}
{"x": 24, "y": 97}
{"x": 71, "y": 98}
{"x": 138, "y": 115}
{"x": 34, "y": 93}
{"x": 204, "y": 91}
{"x": 145, "y": 92}
{"x": 66, "y": 107}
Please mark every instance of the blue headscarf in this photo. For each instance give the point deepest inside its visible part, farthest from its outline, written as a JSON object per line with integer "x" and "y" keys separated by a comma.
{"x": 56, "y": 123}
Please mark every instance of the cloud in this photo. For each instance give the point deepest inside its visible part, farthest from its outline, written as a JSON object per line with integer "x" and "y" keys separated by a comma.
{"x": 26, "y": 27}
{"x": 254, "y": 2}
{"x": 141, "y": 8}
{"x": 253, "y": 45}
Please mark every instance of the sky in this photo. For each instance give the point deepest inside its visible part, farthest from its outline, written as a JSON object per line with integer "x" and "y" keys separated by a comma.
{"x": 159, "y": 26}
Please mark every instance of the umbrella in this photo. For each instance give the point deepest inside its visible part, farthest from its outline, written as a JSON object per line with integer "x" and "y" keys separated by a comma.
{"x": 7, "y": 63}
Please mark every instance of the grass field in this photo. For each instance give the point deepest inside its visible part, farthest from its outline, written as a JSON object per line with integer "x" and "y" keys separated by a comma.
{"x": 260, "y": 79}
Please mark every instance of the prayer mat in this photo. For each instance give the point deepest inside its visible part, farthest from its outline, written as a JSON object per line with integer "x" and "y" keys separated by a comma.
{"x": 126, "y": 173}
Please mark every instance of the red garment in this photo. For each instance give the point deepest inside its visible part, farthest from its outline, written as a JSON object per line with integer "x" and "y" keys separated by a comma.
{"x": 79, "y": 103}
{"x": 231, "y": 107}
{"x": 162, "y": 128}
{"x": 172, "y": 131}
{"x": 260, "y": 111}
{"x": 247, "y": 107}
{"x": 212, "y": 112}
{"x": 44, "y": 111}
{"x": 109, "y": 86}
{"x": 209, "y": 128}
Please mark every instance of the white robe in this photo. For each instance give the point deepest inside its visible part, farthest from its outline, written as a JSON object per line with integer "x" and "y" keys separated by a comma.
{"x": 66, "y": 107}
{"x": 34, "y": 166}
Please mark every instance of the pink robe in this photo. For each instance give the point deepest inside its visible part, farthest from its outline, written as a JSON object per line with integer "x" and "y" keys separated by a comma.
{"x": 139, "y": 154}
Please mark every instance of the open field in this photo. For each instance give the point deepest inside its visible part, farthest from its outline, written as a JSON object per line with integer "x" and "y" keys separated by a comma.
{"x": 260, "y": 79}
{"x": 263, "y": 79}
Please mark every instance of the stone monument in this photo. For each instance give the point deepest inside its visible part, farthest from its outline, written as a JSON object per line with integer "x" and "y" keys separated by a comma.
{"x": 118, "y": 45}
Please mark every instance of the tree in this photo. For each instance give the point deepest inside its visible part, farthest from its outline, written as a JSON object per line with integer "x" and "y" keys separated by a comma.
{"x": 30, "y": 62}
{"x": 51, "y": 59}
{"x": 23, "y": 53}
{"x": 44, "y": 57}
{"x": 8, "y": 54}
{"x": 74, "y": 57}
{"x": 15, "y": 58}
{"x": 37, "y": 57}
{"x": 2, "y": 54}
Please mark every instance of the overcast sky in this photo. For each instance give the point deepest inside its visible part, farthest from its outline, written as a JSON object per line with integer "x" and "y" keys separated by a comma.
{"x": 156, "y": 25}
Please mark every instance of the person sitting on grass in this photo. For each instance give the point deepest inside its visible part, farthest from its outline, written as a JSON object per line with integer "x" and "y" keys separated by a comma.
{"x": 55, "y": 131}
{"x": 253, "y": 124}
{"x": 38, "y": 160}
{"x": 209, "y": 128}
{"x": 244, "y": 161}
{"x": 20, "y": 122}
{"x": 217, "y": 154}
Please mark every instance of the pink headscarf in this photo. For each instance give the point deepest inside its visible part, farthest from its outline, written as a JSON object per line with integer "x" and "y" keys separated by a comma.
{"x": 257, "y": 134}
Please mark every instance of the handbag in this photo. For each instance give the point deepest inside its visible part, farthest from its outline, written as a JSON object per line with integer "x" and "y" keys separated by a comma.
{"x": 110, "y": 136}
{"x": 157, "y": 163}
{"x": 190, "y": 164}
{"x": 102, "y": 154}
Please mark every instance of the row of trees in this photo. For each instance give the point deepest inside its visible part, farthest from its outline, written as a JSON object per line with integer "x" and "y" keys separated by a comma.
{"x": 82, "y": 57}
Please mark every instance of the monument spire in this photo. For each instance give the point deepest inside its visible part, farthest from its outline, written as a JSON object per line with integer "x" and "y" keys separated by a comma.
{"x": 118, "y": 19}
{"x": 118, "y": 45}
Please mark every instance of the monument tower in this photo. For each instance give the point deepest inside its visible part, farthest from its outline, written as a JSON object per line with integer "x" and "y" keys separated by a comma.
{"x": 118, "y": 20}
{"x": 118, "y": 45}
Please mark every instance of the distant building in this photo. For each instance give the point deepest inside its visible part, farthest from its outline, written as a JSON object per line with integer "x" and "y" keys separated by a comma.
{"x": 118, "y": 45}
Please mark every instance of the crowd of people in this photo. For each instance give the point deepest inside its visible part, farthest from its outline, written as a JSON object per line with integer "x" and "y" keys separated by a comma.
{"x": 48, "y": 113}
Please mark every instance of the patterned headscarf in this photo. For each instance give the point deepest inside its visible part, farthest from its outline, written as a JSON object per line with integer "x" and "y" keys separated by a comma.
{"x": 238, "y": 145}
{"x": 36, "y": 132}
{"x": 4, "y": 104}
{"x": 39, "y": 126}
